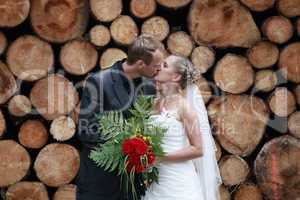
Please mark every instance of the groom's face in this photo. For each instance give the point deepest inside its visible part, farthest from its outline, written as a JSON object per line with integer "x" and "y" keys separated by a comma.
{"x": 154, "y": 67}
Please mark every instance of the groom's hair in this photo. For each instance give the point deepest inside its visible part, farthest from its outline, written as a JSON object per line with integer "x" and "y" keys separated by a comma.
{"x": 143, "y": 48}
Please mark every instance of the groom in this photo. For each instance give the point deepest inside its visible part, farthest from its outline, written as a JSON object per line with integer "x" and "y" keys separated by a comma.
{"x": 112, "y": 89}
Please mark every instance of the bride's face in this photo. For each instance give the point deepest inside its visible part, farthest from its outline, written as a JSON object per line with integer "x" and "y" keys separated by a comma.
{"x": 168, "y": 73}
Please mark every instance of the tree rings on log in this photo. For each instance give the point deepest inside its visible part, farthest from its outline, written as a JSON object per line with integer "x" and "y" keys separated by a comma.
{"x": 100, "y": 35}
{"x": 13, "y": 12}
{"x": 157, "y": 27}
{"x": 142, "y": 8}
{"x": 27, "y": 190}
{"x": 289, "y": 8}
{"x": 180, "y": 43}
{"x": 106, "y": 10}
{"x": 203, "y": 58}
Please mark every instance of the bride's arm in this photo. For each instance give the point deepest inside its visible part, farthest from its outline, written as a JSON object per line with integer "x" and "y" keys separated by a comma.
{"x": 190, "y": 121}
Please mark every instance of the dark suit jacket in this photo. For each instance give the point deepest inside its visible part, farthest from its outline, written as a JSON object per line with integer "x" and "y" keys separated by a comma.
{"x": 104, "y": 91}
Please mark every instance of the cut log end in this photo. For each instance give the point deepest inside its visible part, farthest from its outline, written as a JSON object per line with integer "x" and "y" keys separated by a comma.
{"x": 260, "y": 5}
{"x": 289, "y": 8}
{"x": 3, "y": 43}
{"x": 15, "y": 162}
{"x": 13, "y": 12}
{"x": 2, "y": 124}
{"x": 78, "y": 57}
{"x": 157, "y": 27}
{"x": 180, "y": 43}
{"x": 100, "y": 35}
{"x": 66, "y": 192}
{"x": 234, "y": 170}
{"x": 124, "y": 30}
{"x": 57, "y": 164}
{"x": 62, "y": 128}
{"x": 33, "y": 134}
{"x": 294, "y": 124}
{"x": 282, "y": 102}
{"x": 263, "y": 54}
{"x": 30, "y": 58}
{"x": 278, "y": 29}
{"x": 106, "y": 10}
{"x": 174, "y": 4}
{"x": 203, "y": 58}
{"x": 27, "y": 190}
{"x": 234, "y": 74}
{"x": 8, "y": 84}
{"x": 248, "y": 191}
{"x": 142, "y": 9}
{"x": 265, "y": 80}
{"x": 19, "y": 106}
{"x": 59, "y": 21}
{"x": 110, "y": 56}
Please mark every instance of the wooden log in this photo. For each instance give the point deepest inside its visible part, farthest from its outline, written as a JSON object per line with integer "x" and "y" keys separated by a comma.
{"x": 8, "y": 84}
{"x": 65, "y": 192}
{"x": 100, "y": 35}
{"x": 62, "y": 128}
{"x": 233, "y": 169}
{"x": 224, "y": 193}
{"x": 33, "y": 134}
{"x": 2, "y": 124}
{"x": 27, "y": 190}
{"x": 297, "y": 94}
{"x": 219, "y": 151}
{"x": 15, "y": 162}
{"x": 282, "y": 102}
{"x": 180, "y": 43}
{"x": 204, "y": 88}
{"x": 3, "y": 43}
{"x": 263, "y": 54}
{"x": 54, "y": 96}
{"x": 294, "y": 124}
{"x": 13, "y": 12}
{"x": 57, "y": 164}
{"x": 60, "y": 20}
{"x": 173, "y": 4}
{"x": 222, "y": 24}
{"x": 29, "y": 58}
{"x": 106, "y": 10}
{"x": 142, "y": 8}
{"x": 75, "y": 113}
{"x": 248, "y": 191}
{"x": 265, "y": 80}
{"x": 203, "y": 58}
{"x": 124, "y": 30}
{"x": 239, "y": 122}
{"x": 78, "y": 57}
{"x": 289, "y": 62}
{"x": 277, "y": 170}
{"x": 289, "y": 8}
{"x": 298, "y": 26}
{"x": 157, "y": 27}
{"x": 260, "y": 5}
{"x": 110, "y": 56}
{"x": 234, "y": 74}
{"x": 19, "y": 105}
{"x": 278, "y": 29}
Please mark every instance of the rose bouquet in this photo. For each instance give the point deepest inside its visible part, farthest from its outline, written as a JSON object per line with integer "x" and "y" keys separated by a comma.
{"x": 131, "y": 145}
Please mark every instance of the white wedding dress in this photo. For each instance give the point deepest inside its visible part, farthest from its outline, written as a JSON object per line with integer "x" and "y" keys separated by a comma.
{"x": 176, "y": 181}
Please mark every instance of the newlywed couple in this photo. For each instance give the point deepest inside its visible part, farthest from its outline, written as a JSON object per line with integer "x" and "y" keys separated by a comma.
{"x": 189, "y": 171}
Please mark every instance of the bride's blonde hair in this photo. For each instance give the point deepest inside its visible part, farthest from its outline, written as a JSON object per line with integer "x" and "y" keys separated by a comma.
{"x": 187, "y": 70}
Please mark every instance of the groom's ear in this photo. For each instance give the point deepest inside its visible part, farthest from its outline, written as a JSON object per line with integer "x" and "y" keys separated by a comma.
{"x": 140, "y": 63}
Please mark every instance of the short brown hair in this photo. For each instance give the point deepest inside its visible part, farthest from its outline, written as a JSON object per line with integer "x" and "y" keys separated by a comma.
{"x": 142, "y": 49}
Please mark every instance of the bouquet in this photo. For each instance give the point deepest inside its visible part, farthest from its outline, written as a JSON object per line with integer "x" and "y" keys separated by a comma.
{"x": 132, "y": 145}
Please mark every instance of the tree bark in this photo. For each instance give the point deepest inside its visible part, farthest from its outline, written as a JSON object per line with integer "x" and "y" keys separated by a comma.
{"x": 78, "y": 57}
{"x": 8, "y": 85}
{"x": 157, "y": 27}
{"x": 57, "y": 164}
{"x": 278, "y": 29}
{"x": 54, "y": 96}
{"x": 142, "y": 8}
{"x": 59, "y": 20}
{"x": 27, "y": 190}
{"x": 13, "y": 12}
{"x": 277, "y": 168}
{"x": 233, "y": 169}
{"x": 234, "y": 74}
{"x": 33, "y": 134}
{"x": 289, "y": 62}
{"x": 30, "y": 58}
{"x": 124, "y": 30}
{"x": 15, "y": 162}
{"x": 263, "y": 54}
{"x": 180, "y": 43}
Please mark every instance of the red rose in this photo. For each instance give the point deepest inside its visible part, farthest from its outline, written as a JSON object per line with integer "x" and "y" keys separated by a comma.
{"x": 140, "y": 146}
{"x": 127, "y": 147}
{"x": 151, "y": 158}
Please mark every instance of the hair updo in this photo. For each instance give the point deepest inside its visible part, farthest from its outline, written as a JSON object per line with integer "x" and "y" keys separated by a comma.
{"x": 185, "y": 67}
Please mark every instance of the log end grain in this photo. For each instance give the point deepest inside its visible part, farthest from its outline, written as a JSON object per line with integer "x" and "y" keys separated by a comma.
{"x": 19, "y": 105}
{"x": 180, "y": 43}
{"x": 27, "y": 190}
{"x": 110, "y": 56}
{"x": 142, "y": 9}
{"x": 157, "y": 27}
{"x": 66, "y": 192}
{"x": 62, "y": 128}
{"x": 13, "y": 12}
{"x": 100, "y": 35}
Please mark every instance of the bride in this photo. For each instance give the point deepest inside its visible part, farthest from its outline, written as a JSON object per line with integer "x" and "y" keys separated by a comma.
{"x": 189, "y": 171}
